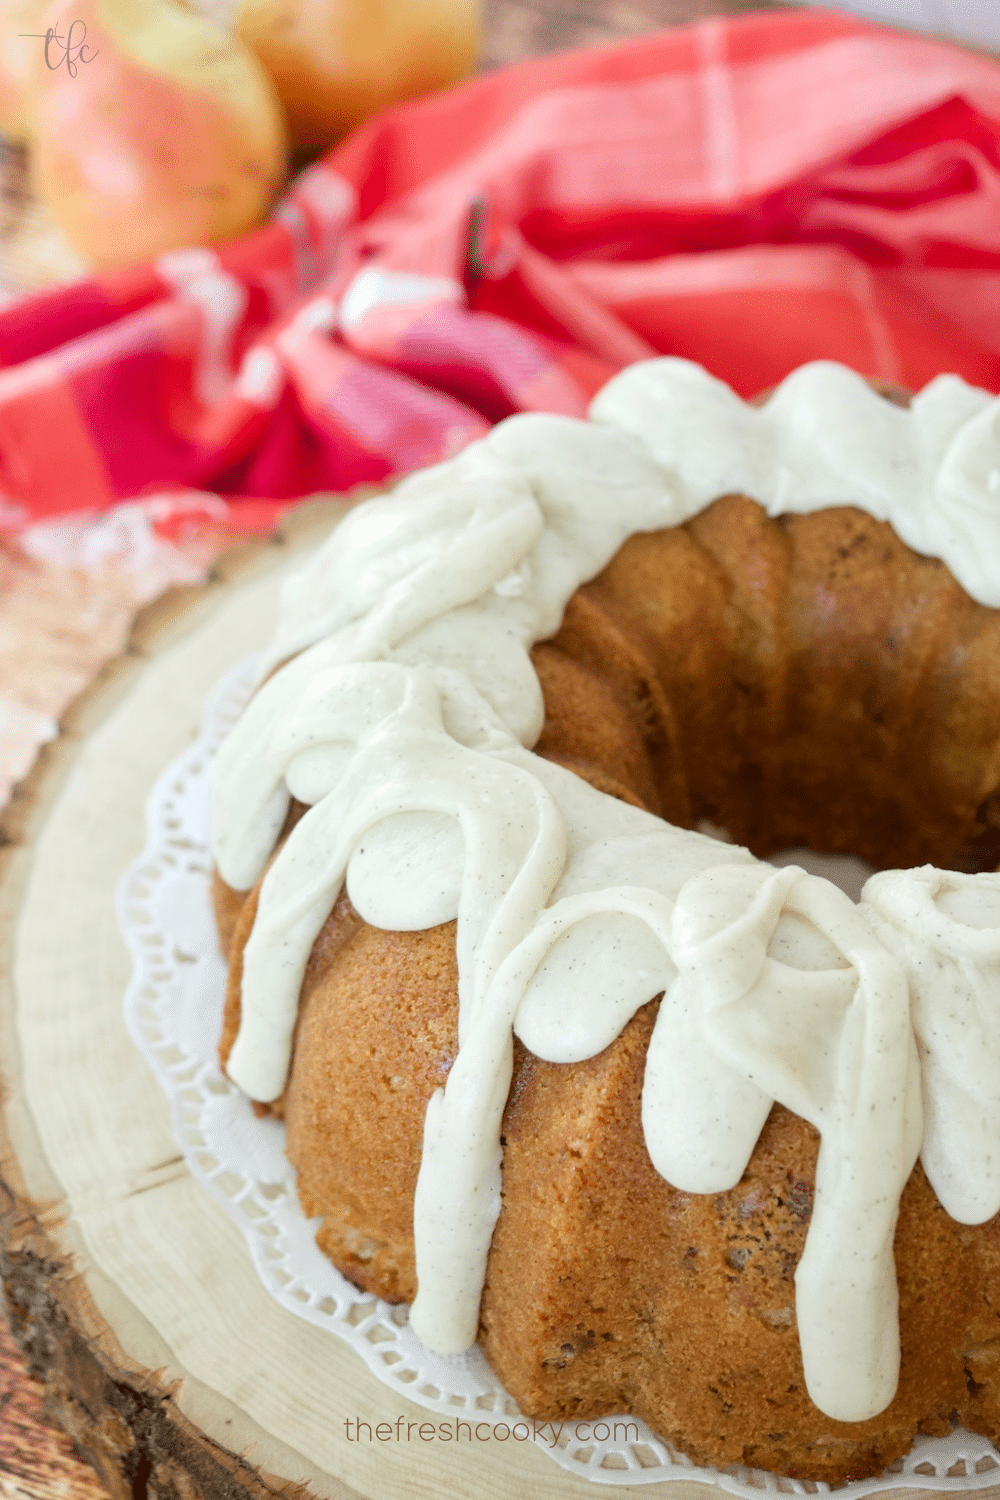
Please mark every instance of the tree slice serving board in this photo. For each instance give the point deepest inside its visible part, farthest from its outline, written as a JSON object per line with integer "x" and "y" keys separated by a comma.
{"x": 134, "y": 1296}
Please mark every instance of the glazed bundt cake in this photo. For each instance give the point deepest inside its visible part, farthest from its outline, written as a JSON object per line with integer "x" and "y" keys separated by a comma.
{"x": 471, "y": 921}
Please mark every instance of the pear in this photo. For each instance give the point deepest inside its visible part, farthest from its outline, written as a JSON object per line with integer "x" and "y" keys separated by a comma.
{"x": 334, "y": 62}
{"x": 153, "y": 130}
{"x": 22, "y": 42}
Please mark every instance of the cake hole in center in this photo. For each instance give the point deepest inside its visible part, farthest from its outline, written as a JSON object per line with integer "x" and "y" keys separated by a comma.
{"x": 847, "y": 871}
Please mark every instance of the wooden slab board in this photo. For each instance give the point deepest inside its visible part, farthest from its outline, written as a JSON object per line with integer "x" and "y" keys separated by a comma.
{"x": 162, "y": 1354}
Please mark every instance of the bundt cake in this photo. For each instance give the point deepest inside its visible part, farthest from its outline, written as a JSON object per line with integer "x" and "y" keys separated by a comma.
{"x": 481, "y": 925}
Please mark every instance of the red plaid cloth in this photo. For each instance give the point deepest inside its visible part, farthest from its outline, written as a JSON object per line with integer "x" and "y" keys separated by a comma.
{"x": 749, "y": 193}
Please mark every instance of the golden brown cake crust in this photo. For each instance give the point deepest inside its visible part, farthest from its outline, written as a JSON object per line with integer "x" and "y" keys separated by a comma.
{"x": 806, "y": 680}
{"x": 680, "y": 1308}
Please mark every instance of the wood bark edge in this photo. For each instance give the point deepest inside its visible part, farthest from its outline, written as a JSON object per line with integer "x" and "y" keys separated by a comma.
{"x": 122, "y": 1418}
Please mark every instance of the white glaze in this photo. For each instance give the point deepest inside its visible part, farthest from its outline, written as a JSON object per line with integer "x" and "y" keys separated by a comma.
{"x": 944, "y": 928}
{"x": 406, "y": 722}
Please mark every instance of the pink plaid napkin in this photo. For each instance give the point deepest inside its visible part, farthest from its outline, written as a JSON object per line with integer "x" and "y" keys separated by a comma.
{"x": 750, "y": 193}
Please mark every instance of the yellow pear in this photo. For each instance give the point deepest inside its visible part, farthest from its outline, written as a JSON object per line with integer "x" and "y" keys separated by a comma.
{"x": 154, "y": 130}
{"x": 334, "y": 62}
{"x": 22, "y": 42}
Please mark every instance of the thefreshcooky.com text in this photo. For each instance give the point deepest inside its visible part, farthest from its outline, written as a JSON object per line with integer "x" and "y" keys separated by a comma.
{"x": 460, "y": 1431}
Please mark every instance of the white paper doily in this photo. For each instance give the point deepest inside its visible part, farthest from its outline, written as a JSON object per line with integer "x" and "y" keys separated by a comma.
{"x": 173, "y": 1009}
